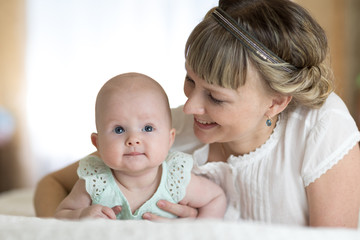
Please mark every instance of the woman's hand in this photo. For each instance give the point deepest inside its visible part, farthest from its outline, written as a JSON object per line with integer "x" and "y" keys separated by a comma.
{"x": 179, "y": 210}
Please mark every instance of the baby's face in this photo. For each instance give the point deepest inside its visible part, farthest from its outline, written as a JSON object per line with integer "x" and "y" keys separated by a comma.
{"x": 134, "y": 132}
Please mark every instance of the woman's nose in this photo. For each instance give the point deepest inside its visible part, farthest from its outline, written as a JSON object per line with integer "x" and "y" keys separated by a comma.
{"x": 194, "y": 104}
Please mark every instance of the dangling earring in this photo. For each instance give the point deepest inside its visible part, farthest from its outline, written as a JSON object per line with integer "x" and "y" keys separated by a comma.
{"x": 268, "y": 122}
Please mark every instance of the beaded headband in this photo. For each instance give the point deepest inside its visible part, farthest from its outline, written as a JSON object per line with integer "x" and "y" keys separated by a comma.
{"x": 246, "y": 39}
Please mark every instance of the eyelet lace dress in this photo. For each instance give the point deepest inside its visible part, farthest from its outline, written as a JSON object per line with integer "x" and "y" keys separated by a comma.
{"x": 102, "y": 188}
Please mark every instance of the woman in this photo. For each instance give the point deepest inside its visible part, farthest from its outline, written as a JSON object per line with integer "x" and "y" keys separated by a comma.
{"x": 261, "y": 120}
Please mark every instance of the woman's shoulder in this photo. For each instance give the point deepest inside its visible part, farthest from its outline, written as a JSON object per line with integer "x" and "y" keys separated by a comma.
{"x": 333, "y": 110}
{"x": 335, "y": 103}
{"x": 328, "y": 125}
{"x": 328, "y": 133}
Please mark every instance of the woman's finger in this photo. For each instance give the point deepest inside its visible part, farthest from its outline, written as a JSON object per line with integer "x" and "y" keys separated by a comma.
{"x": 153, "y": 217}
{"x": 179, "y": 210}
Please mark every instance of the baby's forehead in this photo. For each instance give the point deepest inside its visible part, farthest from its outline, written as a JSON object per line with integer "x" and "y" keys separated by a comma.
{"x": 146, "y": 106}
{"x": 116, "y": 97}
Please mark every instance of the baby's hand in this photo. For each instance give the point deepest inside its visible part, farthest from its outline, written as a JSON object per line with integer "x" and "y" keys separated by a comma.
{"x": 99, "y": 211}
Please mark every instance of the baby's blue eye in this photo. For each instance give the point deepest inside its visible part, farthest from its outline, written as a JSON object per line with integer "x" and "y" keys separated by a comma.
{"x": 148, "y": 128}
{"x": 119, "y": 130}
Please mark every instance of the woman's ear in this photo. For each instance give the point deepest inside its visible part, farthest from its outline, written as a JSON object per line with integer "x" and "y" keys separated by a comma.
{"x": 94, "y": 137}
{"x": 279, "y": 103}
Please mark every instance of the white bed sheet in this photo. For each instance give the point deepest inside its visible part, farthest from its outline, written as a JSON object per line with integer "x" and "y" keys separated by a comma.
{"x": 17, "y": 221}
{"x": 18, "y": 202}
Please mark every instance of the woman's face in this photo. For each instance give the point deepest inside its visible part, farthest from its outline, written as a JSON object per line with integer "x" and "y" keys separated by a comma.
{"x": 228, "y": 115}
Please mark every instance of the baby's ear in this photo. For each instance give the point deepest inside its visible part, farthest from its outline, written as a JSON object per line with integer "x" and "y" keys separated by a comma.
{"x": 94, "y": 137}
{"x": 172, "y": 137}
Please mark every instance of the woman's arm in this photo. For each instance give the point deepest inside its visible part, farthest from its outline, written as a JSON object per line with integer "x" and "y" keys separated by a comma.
{"x": 204, "y": 199}
{"x": 206, "y": 196}
{"x": 53, "y": 188}
{"x": 334, "y": 198}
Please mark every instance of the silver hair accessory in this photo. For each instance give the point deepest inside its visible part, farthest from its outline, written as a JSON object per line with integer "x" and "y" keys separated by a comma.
{"x": 246, "y": 39}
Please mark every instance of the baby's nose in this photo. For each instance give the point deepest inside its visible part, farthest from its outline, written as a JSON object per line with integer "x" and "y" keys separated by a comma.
{"x": 132, "y": 141}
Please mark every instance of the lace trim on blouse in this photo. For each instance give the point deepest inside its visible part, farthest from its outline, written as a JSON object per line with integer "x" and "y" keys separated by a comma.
{"x": 262, "y": 150}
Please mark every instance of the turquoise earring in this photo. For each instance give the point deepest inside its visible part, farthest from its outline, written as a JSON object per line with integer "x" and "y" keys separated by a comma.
{"x": 268, "y": 122}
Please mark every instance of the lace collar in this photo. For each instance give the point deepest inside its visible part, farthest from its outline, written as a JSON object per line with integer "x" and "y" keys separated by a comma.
{"x": 262, "y": 150}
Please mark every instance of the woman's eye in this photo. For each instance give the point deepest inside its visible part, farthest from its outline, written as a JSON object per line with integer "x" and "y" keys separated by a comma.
{"x": 148, "y": 128}
{"x": 215, "y": 100}
{"x": 119, "y": 130}
{"x": 189, "y": 80}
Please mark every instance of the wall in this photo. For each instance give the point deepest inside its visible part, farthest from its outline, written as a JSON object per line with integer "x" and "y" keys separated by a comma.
{"x": 12, "y": 85}
{"x": 340, "y": 20}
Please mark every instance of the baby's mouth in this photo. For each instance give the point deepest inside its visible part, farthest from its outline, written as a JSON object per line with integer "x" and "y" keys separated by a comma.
{"x": 133, "y": 153}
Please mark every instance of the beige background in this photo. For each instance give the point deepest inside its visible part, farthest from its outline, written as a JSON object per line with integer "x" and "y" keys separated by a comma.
{"x": 340, "y": 19}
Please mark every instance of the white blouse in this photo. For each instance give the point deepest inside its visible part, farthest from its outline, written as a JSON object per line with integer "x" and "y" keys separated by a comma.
{"x": 268, "y": 184}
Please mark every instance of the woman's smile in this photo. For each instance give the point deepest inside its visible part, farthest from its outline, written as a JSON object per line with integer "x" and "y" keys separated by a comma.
{"x": 204, "y": 124}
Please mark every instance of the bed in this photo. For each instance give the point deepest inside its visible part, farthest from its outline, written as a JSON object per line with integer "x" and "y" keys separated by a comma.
{"x": 18, "y": 221}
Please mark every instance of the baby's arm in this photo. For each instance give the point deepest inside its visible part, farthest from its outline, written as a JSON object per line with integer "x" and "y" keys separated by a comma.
{"x": 205, "y": 195}
{"x": 78, "y": 205}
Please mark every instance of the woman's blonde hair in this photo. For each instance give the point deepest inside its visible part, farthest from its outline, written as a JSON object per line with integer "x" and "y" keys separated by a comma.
{"x": 285, "y": 28}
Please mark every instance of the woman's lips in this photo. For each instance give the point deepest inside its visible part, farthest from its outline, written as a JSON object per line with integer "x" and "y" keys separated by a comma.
{"x": 204, "y": 124}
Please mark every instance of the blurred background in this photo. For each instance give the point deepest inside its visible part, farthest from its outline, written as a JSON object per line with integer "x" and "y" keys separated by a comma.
{"x": 56, "y": 54}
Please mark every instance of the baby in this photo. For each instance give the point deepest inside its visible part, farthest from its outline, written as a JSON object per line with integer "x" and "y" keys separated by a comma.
{"x": 133, "y": 167}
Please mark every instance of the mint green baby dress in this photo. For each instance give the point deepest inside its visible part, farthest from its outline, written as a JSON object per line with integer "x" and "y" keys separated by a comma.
{"x": 103, "y": 190}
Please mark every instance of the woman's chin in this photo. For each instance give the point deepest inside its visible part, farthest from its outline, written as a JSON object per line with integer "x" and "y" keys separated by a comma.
{"x": 204, "y": 137}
